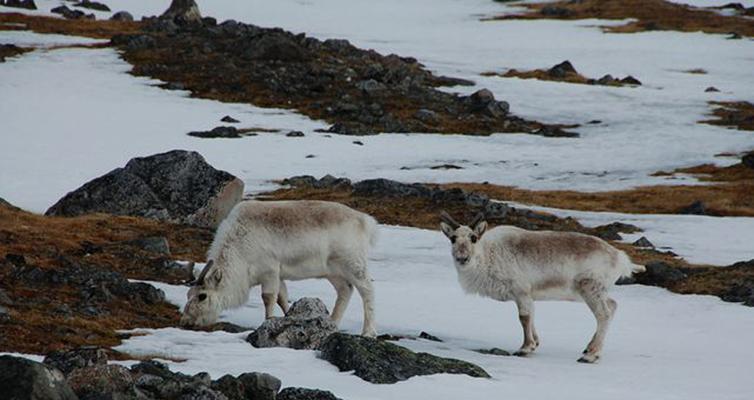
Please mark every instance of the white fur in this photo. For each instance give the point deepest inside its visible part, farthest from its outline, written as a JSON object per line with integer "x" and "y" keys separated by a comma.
{"x": 265, "y": 243}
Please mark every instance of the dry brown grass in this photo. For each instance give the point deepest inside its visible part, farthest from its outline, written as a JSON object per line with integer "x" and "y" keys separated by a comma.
{"x": 544, "y": 75}
{"x": 649, "y": 14}
{"x": 79, "y": 27}
{"x": 35, "y": 327}
{"x": 733, "y": 114}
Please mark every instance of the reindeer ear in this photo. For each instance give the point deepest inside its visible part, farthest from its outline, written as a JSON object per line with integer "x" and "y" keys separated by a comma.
{"x": 447, "y": 229}
{"x": 480, "y": 228}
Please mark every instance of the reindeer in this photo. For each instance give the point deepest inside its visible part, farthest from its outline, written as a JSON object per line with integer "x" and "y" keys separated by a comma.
{"x": 268, "y": 242}
{"x": 509, "y": 263}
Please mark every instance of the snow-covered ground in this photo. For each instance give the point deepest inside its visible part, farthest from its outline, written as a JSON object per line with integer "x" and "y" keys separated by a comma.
{"x": 660, "y": 345}
{"x": 644, "y": 129}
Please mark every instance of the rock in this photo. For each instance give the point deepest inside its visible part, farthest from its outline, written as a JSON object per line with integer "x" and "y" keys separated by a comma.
{"x": 426, "y": 116}
{"x": 4, "y": 299}
{"x": 253, "y": 385}
{"x": 27, "y": 4}
{"x": 157, "y": 381}
{"x": 696, "y": 208}
{"x": 4, "y": 315}
{"x": 606, "y": 80}
{"x": 294, "y": 393}
{"x": 134, "y": 42}
{"x": 734, "y": 36}
{"x": 229, "y": 327}
{"x": 379, "y": 361}
{"x": 103, "y": 382}
{"x": 484, "y": 101}
{"x": 305, "y": 326}
{"x": 295, "y": 134}
{"x": 562, "y": 70}
{"x": 554, "y": 11}
{"x": 427, "y": 336}
{"x": 184, "y": 10}
{"x": 390, "y": 188}
{"x": 177, "y": 186}
{"x": 22, "y": 379}
{"x": 69, "y": 360}
{"x": 67, "y": 13}
{"x": 229, "y": 119}
{"x": 740, "y": 293}
{"x": 123, "y": 16}
{"x": 613, "y": 230}
{"x": 493, "y": 352}
{"x": 554, "y": 131}
{"x": 92, "y": 5}
{"x": 659, "y": 274}
{"x": 153, "y": 244}
{"x": 711, "y": 89}
{"x": 630, "y": 80}
{"x": 748, "y": 160}
{"x": 228, "y": 132}
{"x": 643, "y": 242}
{"x": 276, "y": 47}
{"x": 358, "y": 142}
{"x": 445, "y": 166}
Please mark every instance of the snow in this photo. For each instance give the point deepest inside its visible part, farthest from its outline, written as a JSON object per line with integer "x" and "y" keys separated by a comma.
{"x": 660, "y": 345}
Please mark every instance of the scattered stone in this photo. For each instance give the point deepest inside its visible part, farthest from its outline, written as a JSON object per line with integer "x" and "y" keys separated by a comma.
{"x": 696, "y": 208}
{"x": 22, "y": 379}
{"x": 427, "y": 336}
{"x": 379, "y": 361}
{"x": 748, "y": 160}
{"x": 253, "y": 385}
{"x": 643, "y": 242}
{"x": 554, "y": 131}
{"x": 178, "y": 186}
{"x": 69, "y": 360}
{"x": 123, "y": 16}
{"x": 427, "y": 116}
{"x": 310, "y": 156}
{"x": 734, "y": 36}
{"x": 711, "y": 89}
{"x": 293, "y": 393}
{"x": 27, "y": 4}
{"x": 659, "y": 274}
{"x": 103, "y": 381}
{"x": 358, "y": 142}
{"x": 327, "y": 181}
{"x": 493, "y": 352}
{"x": 305, "y": 326}
{"x": 68, "y": 13}
{"x": 226, "y": 132}
{"x": 606, "y": 80}
{"x": 740, "y": 293}
{"x": 630, "y": 80}
{"x": 152, "y": 244}
{"x": 229, "y": 327}
{"x": 595, "y": 121}
{"x": 183, "y": 10}
{"x": 446, "y": 166}
{"x": 562, "y": 70}
{"x": 229, "y": 120}
{"x": 612, "y": 231}
{"x": 92, "y": 5}
{"x": 295, "y": 134}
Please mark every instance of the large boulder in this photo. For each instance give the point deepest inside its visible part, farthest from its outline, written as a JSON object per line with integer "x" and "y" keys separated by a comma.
{"x": 22, "y": 379}
{"x": 104, "y": 382}
{"x": 377, "y": 361}
{"x": 251, "y": 385}
{"x": 659, "y": 274}
{"x": 295, "y": 393}
{"x": 185, "y": 10}
{"x": 305, "y": 326}
{"x": 178, "y": 186}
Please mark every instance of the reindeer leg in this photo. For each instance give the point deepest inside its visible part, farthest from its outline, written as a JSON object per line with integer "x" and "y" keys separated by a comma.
{"x": 525, "y": 306}
{"x": 594, "y": 294}
{"x": 344, "y": 291}
{"x": 270, "y": 291}
{"x": 283, "y": 297}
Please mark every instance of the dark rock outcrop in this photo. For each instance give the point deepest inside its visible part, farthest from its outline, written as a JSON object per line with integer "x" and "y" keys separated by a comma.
{"x": 185, "y": 10}
{"x": 643, "y": 242}
{"x": 68, "y": 13}
{"x": 227, "y": 132}
{"x": 177, "y": 186}
{"x": 253, "y": 385}
{"x": 92, "y": 5}
{"x": 69, "y": 360}
{"x": 659, "y": 274}
{"x": 696, "y": 208}
{"x": 22, "y": 379}
{"x": 229, "y": 119}
{"x": 562, "y": 70}
{"x": 305, "y": 326}
{"x": 378, "y": 361}
{"x": 104, "y": 382}
{"x": 26, "y": 4}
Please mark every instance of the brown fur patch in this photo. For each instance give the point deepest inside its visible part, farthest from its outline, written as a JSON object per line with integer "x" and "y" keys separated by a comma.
{"x": 295, "y": 217}
{"x": 548, "y": 246}
{"x": 550, "y": 283}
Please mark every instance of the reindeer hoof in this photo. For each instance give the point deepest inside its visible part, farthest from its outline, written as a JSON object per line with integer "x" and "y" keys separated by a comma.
{"x": 589, "y": 359}
{"x": 522, "y": 353}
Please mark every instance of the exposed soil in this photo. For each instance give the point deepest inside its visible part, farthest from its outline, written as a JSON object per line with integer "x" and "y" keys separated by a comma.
{"x": 733, "y": 114}
{"x": 80, "y": 27}
{"x": 565, "y": 72}
{"x": 65, "y": 278}
{"x": 650, "y": 15}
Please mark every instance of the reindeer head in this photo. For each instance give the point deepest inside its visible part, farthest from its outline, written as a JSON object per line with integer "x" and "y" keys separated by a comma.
{"x": 203, "y": 306}
{"x": 465, "y": 238}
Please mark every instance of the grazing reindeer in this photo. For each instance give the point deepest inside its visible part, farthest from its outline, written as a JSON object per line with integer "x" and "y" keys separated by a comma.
{"x": 509, "y": 263}
{"x": 267, "y": 242}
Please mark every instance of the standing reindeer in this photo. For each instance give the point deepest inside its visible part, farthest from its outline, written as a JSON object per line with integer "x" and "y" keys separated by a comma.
{"x": 509, "y": 263}
{"x": 267, "y": 242}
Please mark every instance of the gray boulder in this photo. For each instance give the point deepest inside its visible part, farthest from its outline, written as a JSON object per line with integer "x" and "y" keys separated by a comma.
{"x": 22, "y": 379}
{"x": 659, "y": 274}
{"x": 294, "y": 393}
{"x": 123, "y": 16}
{"x": 185, "y": 10}
{"x": 251, "y": 385}
{"x": 178, "y": 186}
{"x": 305, "y": 326}
{"x": 378, "y": 361}
{"x": 104, "y": 382}
{"x": 69, "y": 360}
{"x": 92, "y": 5}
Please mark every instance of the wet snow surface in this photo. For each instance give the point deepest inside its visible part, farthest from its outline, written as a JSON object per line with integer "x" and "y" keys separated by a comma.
{"x": 69, "y": 115}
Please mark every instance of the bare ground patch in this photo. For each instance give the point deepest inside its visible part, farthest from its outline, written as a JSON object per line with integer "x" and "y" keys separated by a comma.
{"x": 732, "y": 114}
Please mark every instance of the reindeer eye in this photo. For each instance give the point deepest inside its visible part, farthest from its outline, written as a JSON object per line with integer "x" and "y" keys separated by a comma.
{"x": 473, "y": 238}
{"x": 202, "y": 297}
{"x": 452, "y": 239}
